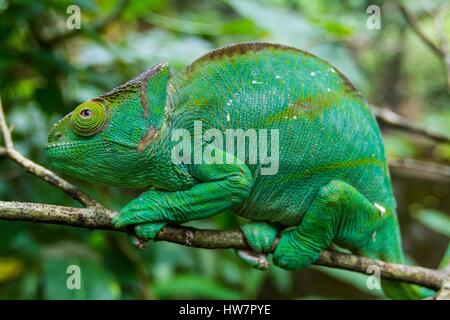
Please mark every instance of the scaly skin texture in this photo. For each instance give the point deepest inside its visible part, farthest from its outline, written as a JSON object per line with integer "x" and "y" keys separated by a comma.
{"x": 332, "y": 183}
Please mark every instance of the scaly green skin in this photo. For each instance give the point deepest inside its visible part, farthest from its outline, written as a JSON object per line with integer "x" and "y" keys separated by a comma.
{"x": 332, "y": 185}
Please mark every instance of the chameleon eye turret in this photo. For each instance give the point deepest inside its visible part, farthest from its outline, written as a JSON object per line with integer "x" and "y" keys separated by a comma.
{"x": 89, "y": 118}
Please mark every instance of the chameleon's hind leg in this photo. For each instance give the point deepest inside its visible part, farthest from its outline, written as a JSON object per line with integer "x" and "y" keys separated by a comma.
{"x": 340, "y": 214}
{"x": 260, "y": 237}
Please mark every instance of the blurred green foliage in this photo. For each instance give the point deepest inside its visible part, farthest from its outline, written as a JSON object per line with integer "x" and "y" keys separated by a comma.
{"x": 46, "y": 70}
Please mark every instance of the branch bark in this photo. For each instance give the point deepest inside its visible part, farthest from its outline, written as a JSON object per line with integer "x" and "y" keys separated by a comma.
{"x": 395, "y": 120}
{"x": 422, "y": 170}
{"x": 97, "y": 218}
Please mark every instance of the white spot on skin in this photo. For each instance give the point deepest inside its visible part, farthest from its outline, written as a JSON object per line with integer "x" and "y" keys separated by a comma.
{"x": 380, "y": 208}
{"x": 332, "y": 70}
{"x": 230, "y": 102}
{"x": 228, "y": 117}
{"x": 256, "y": 82}
{"x": 313, "y": 73}
{"x": 328, "y": 89}
{"x": 277, "y": 77}
{"x": 294, "y": 117}
{"x": 374, "y": 236}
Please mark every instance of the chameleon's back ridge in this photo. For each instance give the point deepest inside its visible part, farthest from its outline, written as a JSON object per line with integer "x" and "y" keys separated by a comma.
{"x": 312, "y": 157}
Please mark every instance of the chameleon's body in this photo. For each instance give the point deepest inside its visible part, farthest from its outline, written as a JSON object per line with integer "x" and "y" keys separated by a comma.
{"x": 332, "y": 183}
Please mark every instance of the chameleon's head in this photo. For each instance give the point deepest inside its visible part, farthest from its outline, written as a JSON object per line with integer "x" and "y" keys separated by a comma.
{"x": 109, "y": 138}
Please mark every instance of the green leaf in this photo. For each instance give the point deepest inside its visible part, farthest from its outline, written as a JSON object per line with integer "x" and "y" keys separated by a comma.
{"x": 337, "y": 29}
{"x": 434, "y": 220}
{"x": 400, "y": 145}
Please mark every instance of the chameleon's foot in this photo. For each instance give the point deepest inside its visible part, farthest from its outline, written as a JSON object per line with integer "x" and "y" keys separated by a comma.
{"x": 148, "y": 231}
{"x": 256, "y": 260}
{"x": 339, "y": 213}
{"x": 147, "y": 208}
{"x": 290, "y": 253}
{"x": 260, "y": 236}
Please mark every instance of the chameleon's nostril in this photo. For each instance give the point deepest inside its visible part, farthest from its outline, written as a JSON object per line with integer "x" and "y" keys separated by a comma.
{"x": 58, "y": 136}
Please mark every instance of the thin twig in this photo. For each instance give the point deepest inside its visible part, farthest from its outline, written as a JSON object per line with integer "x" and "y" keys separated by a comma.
{"x": 442, "y": 49}
{"x": 422, "y": 170}
{"x": 443, "y": 43}
{"x": 395, "y": 120}
{"x": 414, "y": 24}
{"x": 39, "y": 170}
{"x": 5, "y": 131}
{"x": 444, "y": 292}
{"x": 50, "y": 177}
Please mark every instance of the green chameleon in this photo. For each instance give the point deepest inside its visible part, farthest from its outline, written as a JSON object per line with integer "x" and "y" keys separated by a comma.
{"x": 329, "y": 183}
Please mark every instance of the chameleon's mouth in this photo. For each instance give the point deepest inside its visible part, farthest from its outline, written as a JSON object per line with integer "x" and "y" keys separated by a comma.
{"x": 66, "y": 151}
{"x": 56, "y": 145}
{"x": 59, "y": 151}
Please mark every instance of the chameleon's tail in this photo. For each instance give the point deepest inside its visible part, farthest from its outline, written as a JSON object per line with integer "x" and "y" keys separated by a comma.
{"x": 392, "y": 252}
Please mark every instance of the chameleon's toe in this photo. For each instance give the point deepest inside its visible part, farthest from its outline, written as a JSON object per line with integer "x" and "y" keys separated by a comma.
{"x": 291, "y": 254}
{"x": 258, "y": 261}
{"x": 260, "y": 236}
{"x": 139, "y": 242}
{"x": 148, "y": 231}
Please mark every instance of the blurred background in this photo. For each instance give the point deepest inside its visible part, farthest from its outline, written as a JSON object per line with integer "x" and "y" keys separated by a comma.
{"x": 46, "y": 69}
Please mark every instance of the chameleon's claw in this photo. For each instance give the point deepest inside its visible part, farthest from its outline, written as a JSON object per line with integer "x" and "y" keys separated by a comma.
{"x": 138, "y": 242}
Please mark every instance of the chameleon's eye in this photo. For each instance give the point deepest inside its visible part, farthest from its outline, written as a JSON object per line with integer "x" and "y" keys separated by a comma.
{"x": 86, "y": 113}
{"x": 88, "y": 118}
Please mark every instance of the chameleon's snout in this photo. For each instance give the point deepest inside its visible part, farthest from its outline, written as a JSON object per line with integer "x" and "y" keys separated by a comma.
{"x": 56, "y": 133}
{"x": 54, "y": 137}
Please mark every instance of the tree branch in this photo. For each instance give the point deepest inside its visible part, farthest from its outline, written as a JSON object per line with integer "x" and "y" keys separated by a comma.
{"x": 443, "y": 43}
{"x": 39, "y": 170}
{"x": 94, "y": 218}
{"x": 417, "y": 169}
{"x": 442, "y": 49}
{"x": 444, "y": 292}
{"x": 395, "y": 120}
{"x": 414, "y": 24}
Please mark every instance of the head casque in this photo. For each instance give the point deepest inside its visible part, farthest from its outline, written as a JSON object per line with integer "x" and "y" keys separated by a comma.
{"x": 107, "y": 139}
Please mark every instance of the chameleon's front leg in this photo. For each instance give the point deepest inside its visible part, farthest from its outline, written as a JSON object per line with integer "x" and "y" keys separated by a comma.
{"x": 221, "y": 186}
